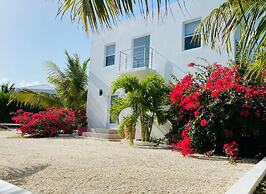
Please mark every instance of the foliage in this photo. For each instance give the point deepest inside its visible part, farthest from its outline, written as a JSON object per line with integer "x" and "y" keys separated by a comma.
{"x": 145, "y": 98}
{"x": 246, "y": 18}
{"x": 246, "y": 15}
{"x": 93, "y": 14}
{"x": 7, "y": 88}
{"x": 41, "y": 99}
{"x": 47, "y": 123}
{"x": 231, "y": 150}
{"x": 214, "y": 108}
{"x": 256, "y": 70}
{"x": 70, "y": 85}
{"x": 7, "y": 105}
{"x": 127, "y": 128}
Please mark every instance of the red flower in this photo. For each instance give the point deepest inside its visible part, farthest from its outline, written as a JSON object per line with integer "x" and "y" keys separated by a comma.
{"x": 184, "y": 145}
{"x": 249, "y": 93}
{"x": 215, "y": 93}
{"x": 196, "y": 114}
{"x": 203, "y": 122}
{"x": 259, "y": 92}
{"x": 231, "y": 150}
{"x": 46, "y": 123}
{"x": 191, "y": 64}
{"x": 240, "y": 89}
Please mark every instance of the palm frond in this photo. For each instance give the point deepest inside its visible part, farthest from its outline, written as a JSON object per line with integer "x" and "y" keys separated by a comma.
{"x": 71, "y": 84}
{"x": 127, "y": 82}
{"x": 32, "y": 98}
{"x": 256, "y": 69}
{"x": 118, "y": 105}
{"x": 105, "y": 13}
{"x": 248, "y": 16}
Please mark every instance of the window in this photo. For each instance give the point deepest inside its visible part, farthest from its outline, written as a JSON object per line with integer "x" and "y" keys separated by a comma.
{"x": 189, "y": 32}
{"x": 141, "y": 51}
{"x": 110, "y": 55}
{"x": 113, "y": 98}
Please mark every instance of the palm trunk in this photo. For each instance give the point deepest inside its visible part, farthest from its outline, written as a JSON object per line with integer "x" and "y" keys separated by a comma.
{"x": 144, "y": 128}
{"x": 148, "y": 135}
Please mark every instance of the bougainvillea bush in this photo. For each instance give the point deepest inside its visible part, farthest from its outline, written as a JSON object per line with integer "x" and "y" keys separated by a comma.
{"x": 215, "y": 111}
{"x": 46, "y": 123}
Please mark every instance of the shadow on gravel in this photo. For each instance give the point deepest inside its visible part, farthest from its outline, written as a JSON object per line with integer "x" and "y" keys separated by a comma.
{"x": 17, "y": 176}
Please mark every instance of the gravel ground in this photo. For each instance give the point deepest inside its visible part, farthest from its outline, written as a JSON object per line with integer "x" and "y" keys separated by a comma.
{"x": 74, "y": 165}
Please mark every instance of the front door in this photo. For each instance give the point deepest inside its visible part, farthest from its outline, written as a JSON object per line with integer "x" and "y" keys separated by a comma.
{"x": 113, "y": 121}
{"x": 141, "y": 51}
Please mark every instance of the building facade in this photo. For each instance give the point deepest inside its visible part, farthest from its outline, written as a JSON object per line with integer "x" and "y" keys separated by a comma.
{"x": 143, "y": 46}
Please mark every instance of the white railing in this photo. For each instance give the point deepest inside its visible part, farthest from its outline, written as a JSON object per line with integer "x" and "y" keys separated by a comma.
{"x": 141, "y": 56}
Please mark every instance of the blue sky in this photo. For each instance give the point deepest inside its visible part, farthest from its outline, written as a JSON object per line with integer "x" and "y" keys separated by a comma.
{"x": 30, "y": 34}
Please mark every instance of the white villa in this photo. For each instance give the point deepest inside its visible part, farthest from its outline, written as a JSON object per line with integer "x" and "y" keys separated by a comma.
{"x": 140, "y": 47}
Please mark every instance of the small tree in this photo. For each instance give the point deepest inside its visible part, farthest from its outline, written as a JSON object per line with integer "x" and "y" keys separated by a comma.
{"x": 145, "y": 98}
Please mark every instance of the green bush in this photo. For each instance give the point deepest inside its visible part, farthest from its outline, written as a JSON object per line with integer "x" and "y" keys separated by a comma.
{"x": 7, "y": 106}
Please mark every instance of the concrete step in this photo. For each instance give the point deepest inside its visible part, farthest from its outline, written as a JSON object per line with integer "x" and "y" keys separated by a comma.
{"x": 103, "y": 134}
{"x": 102, "y": 130}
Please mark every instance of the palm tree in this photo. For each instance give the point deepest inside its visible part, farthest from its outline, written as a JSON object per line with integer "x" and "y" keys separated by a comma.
{"x": 70, "y": 85}
{"x": 95, "y": 13}
{"x": 249, "y": 18}
{"x": 145, "y": 99}
{"x": 7, "y": 87}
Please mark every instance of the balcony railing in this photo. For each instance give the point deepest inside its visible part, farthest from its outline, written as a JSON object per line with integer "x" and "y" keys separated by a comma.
{"x": 137, "y": 57}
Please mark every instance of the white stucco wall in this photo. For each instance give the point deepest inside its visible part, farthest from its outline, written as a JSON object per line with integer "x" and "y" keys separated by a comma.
{"x": 166, "y": 37}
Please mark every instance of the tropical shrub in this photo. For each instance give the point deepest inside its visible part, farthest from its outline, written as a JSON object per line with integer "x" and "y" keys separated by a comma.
{"x": 46, "y": 123}
{"x": 215, "y": 111}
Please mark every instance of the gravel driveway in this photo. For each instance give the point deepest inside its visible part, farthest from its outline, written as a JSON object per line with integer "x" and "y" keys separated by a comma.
{"x": 73, "y": 165}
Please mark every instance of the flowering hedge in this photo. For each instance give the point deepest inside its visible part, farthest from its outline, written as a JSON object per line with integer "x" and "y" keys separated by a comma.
{"x": 214, "y": 111}
{"x": 46, "y": 123}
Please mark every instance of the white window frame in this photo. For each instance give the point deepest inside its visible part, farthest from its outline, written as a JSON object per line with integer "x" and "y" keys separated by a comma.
{"x": 105, "y": 54}
{"x": 132, "y": 45}
{"x": 184, "y": 36}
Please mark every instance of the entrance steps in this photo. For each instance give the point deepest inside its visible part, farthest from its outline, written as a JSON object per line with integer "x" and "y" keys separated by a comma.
{"x": 103, "y": 134}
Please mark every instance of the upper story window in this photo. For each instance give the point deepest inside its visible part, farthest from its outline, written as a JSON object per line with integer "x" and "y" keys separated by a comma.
{"x": 189, "y": 32}
{"x": 110, "y": 55}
